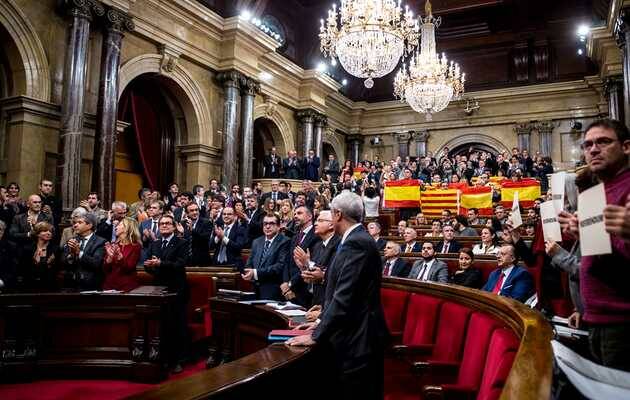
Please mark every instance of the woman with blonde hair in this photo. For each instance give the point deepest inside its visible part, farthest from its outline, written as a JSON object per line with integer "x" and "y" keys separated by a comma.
{"x": 122, "y": 256}
{"x": 37, "y": 268}
{"x": 286, "y": 212}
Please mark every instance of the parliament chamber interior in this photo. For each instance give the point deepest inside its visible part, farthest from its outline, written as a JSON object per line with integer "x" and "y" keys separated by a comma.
{"x": 343, "y": 199}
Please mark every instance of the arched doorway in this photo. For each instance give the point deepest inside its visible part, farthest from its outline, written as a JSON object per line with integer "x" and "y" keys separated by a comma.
{"x": 265, "y": 131}
{"x": 6, "y": 88}
{"x": 145, "y": 150}
{"x": 327, "y": 150}
{"x": 462, "y": 143}
{"x": 465, "y": 148}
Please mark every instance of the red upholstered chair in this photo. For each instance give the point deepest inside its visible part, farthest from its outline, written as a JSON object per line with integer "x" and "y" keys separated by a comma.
{"x": 202, "y": 287}
{"x": 394, "y": 306}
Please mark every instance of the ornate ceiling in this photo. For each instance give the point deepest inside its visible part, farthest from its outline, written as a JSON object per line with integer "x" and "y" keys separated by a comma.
{"x": 498, "y": 43}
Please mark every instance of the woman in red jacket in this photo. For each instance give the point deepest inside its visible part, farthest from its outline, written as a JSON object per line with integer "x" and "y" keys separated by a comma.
{"x": 122, "y": 257}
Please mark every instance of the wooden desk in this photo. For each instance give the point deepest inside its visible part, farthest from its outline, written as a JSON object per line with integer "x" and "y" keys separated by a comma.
{"x": 74, "y": 335}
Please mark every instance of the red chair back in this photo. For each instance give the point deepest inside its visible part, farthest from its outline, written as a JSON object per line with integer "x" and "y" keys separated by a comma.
{"x": 394, "y": 306}
{"x": 421, "y": 318}
{"x": 501, "y": 354}
{"x": 451, "y": 331}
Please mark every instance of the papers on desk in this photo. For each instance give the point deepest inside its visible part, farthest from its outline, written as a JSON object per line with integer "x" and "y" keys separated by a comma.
{"x": 292, "y": 313}
{"x": 594, "y": 239}
{"x": 592, "y": 380}
{"x": 283, "y": 305}
{"x": 252, "y": 302}
{"x": 569, "y": 332}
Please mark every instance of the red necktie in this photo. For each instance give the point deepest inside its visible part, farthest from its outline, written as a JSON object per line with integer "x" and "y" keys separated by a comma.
{"x": 497, "y": 287}
{"x": 388, "y": 264}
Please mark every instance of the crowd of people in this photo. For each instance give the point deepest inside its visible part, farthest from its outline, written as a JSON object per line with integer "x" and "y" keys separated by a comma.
{"x": 293, "y": 235}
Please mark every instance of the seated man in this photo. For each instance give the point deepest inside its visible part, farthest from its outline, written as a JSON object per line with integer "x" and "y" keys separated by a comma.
{"x": 510, "y": 280}
{"x": 228, "y": 241}
{"x": 429, "y": 268}
{"x": 394, "y": 265}
{"x": 499, "y": 212}
{"x": 473, "y": 217}
{"x": 402, "y": 225}
{"x": 449, "y": 244}
{"x": 411, "y": 246}
{"x": 83, "y": 256}
{"x": 270, "y": 253}
{"x": 374, "y": 229}
{"x": 461, "y": 227}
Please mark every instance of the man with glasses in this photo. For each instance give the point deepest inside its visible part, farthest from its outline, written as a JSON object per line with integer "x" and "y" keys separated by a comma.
{"x": 270, "y": 253}
{"x": 429, "y": 269}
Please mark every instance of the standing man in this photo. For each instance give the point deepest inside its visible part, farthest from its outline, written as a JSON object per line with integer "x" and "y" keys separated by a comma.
{"x": 229, "y": 240}
{"x": 107, "y": 227}
{"x": 352, "y": 326}
{"x": 272, "y": 164}
{"x": 21, "y": 229}
{"x": 276, "y": 195}
{"x": 292, "y": 166}
{"x": 311, "y": 166}
{"x": 197, "y": 231}
{"x": 269, "y": 255}
{"x": 149, "y": 229}
{"x": 51, "y": 204}
{"x": 83, "y": 256}
{"x": 332, "y": 168}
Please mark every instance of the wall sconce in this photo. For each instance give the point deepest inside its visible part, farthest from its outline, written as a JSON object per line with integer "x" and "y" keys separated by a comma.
{"x": 375, "y": 141}
{"x": 472, "y": 105}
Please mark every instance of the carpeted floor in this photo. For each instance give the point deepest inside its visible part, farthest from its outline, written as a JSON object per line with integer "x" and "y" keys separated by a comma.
{"x": 83, "y": 389}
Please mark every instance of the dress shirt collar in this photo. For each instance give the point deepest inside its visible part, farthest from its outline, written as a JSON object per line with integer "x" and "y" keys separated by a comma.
{"x": 507, "y": 271}
{"x": 88, "y": 237}
{"x": 348, "y": 232}
{"x": 325, "y": 242}
{"x": 271, "y": 240}
{"x": 168, "y": 239}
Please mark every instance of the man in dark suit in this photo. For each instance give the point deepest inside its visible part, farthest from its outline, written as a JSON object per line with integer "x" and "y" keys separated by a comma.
{"x": 183, "y": 199}
{"x": 228, "y": 241}
{"x": 21, "y": 229}
{"x": 352, "y": 326}
{"x": 8, "y": 255}
{"x": 411, "y": 245}
{"x": 197, "y": 231}
{"x": 292, "y": 166}
{"x": 252, "y": 218}
{"x": 429, "y": 268}
{"x": 272, "y": 164}
{"x": 106, "y": 228}
{"x": 313, "y": 266}
{"x": 510, "y": 280}
{"x": 167, "y": 264}
{"x": 331, "y": 168}
{"x": 149, "y": 229}
{"x": 448, "y": 244}
{"x": 374, "y": 229}
{"x": 83, "y": 256}
{"x": 393, "y": 265}
{"x": 51, "y": 205}
{"x": 293, "y": 286}
{"x": 275, "y": 194}
{"x": 269, "y": 255}
{"x": 311, "y": 166}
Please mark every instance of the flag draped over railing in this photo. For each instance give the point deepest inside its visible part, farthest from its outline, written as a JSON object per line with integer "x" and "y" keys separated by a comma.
{"x": 402, "y": 194}
{"x": 435, "y": 200}
{"x": 528, "y": 191}
{"x": 479, "y": 197}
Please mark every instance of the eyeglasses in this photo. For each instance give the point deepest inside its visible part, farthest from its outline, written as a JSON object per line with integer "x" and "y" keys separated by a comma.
{"x": 165, "y": 223}
{"x": 600, "y": 142}
{"x": 269, "y": 223}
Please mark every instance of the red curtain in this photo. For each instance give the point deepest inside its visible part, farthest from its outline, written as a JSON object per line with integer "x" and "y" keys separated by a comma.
{"x": 145, "y": 124}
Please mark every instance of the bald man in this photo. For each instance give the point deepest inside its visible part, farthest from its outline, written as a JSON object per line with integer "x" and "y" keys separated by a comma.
{"x": 22, "y": 226}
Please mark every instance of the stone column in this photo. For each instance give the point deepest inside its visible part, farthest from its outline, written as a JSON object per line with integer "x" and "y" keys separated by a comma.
{"x": 613, "y": 87}
{"x": 355, "y": 142}
{"x": 320, "y": 124}
{"x": 622, "y": 34}
{"x": 545, "y": 130}
{"x": 107, "y": 107}
{"x": 307, "y": 119}
{"x": 249, "y": 88}
{"x": 523, "y": 133}
{"x": 403, "y": 143}
{"x": 231, "y": 83}
{"x": 74, "y": 77}
{"x": 421, "y": 138}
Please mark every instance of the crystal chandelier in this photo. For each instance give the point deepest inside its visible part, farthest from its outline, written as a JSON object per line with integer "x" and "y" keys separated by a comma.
{"x": 371, "y": 37}
{"x": 430, "y": 82}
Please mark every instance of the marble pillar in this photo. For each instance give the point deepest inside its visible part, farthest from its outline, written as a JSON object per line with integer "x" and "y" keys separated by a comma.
{"x": 403, "y": 139}
{"x": 318, "y": 135}
{"x": 103, "y": 175}
{"x": 231, "y": 84}
{"x": 307, "y": 120}
{"x": 545, "y": 131}
{"x": 249, "y": 88}
{"x": 523, "y": 133}
{"x": 420, "y": 138}
{"x": 622, "y": 34}
{"x": 355, "y": 142}
{"x": 72, "y": 102}
{"x": 613, "y": 88}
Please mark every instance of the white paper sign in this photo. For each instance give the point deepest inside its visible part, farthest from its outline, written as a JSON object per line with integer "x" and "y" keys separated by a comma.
{"x": 516, "y": 212}
{"x": 557, "y": 190}
{"x": 593, "y": 236}
{"x": 550, "y": 224}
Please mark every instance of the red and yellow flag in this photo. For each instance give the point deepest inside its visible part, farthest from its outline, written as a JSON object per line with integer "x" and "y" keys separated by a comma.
{"x": 402, "y": 194}
{"x": 528, "y": 191}
{"x": 436, "y": 200}
{"x": 357, "y": 172}
{"x": 479, "y": 197}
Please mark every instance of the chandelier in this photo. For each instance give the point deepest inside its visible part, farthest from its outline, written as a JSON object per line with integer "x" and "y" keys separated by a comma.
{"x": 430, "y": 82}
{"x": 371, "y": 37}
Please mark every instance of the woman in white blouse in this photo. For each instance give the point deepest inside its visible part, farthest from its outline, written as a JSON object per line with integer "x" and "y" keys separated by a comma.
{"x": 371, "y": 202}
{"x": 488, "y": 245}
{"x": 436, "y": 229}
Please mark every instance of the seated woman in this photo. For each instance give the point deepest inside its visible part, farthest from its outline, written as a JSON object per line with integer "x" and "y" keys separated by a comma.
{"x": 37, "y": 268}
{"x": 488, "y": 245}
{"x": 436, "y": 229}
{"x": 122, "y": 256}
{"x": 269, "y": 207}
{"x": 466, "y": 275}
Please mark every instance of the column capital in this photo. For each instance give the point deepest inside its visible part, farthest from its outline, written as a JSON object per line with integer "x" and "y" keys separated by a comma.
{"x": 306, "y": 116}
{"x": 354, "y": 138}
{"x": 321, "y": 120}
{"x": 118, "y": 21}
{"x": 523, "y": 128}
{"x": 83, "y": 8}
{"x": 402, "y": 137}
{"x": 231, "y": 78}
{"x": 249, "y": 86}
{"x": 545, "y": 126}
{"x": 420, "y": 136}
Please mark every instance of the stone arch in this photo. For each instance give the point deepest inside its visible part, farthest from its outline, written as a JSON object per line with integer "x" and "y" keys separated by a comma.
{"x": 282, "y": 136}
{"x": 34, "y": 62}
{"x": 332, "y": 138}
{"x": 185, "y": 89}
{"x": 474, "y": 138}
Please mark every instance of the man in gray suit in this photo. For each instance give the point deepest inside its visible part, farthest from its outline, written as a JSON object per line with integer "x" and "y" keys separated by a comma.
{"x": 429, "y": 268}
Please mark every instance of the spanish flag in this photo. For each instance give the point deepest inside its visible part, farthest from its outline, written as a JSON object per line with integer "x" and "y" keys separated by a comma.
{"x": 494, "y": 181}
{"x": 479, "y": 197}
{"x": 436, "y": 200}
{"x": 402, "y": 194}
{"x": 357, "y": 172}
{"x": 528, "y": 191}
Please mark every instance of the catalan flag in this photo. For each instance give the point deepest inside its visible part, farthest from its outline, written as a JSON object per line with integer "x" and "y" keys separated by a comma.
{"x": 402, "y": 194}
{"x": 528, "y": 191}
{"x": 436, "y": 200}
{"x": 479, "y": 197}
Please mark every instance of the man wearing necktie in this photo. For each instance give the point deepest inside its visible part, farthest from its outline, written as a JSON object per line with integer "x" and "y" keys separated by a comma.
{"x": 227, "y": 242}
{"x": 149, "y": 227}
{"x": 429, "y": 268}
{"x": 449, "y": 244}
{"x": 332, "y": 168}
{"x": 83, "y": 256}
{"x": 269, "y": 254}
{"x": 510, "y": 280}
{"x": 197, "y": 231}
{"x": 394, "y": 265}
